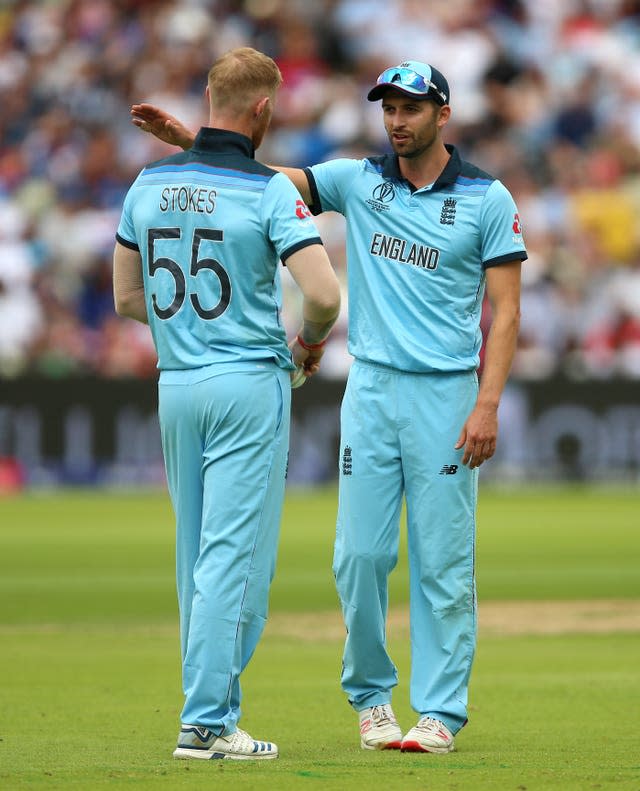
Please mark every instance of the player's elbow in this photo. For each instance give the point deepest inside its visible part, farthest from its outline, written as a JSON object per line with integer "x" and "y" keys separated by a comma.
{"x": 329, "y": 299}
{"x": 312, "y": 271}
{"x": 123, "y": 305}
{"x": 130, "y": 305}
{"x": 507, "y": 315}
{"x": 324, "y": 302}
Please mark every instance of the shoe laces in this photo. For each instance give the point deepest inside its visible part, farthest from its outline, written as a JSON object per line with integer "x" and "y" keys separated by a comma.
{"x": 241, "y": 741}
{"x": 383, "y": 715}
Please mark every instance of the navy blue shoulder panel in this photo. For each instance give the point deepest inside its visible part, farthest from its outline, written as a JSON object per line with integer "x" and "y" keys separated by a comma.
{"x": 378, "y": 162}
{"x": 472, "y": 172}
{"x": 386, "y": 165}
{"x": 217, "y": 159}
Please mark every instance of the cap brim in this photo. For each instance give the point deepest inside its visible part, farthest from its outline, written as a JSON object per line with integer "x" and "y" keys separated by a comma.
{"x": 378, "y": 91}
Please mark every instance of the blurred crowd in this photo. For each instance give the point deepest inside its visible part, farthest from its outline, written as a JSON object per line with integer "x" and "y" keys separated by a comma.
{"x": 545, "y": 96}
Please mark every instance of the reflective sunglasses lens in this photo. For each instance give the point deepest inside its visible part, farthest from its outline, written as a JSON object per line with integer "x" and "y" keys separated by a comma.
{"x": 406, "y": 77}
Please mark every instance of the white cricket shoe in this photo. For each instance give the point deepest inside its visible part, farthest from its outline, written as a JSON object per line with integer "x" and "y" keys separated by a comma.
{"x": 379, "y": 729}
{"x": 428, "y": 736}
{"x": 196, "y": 741}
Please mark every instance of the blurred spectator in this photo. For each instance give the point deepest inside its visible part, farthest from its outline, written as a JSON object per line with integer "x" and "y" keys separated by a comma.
{"x": 545, "y": 95}
{"x": 21, "y": 315}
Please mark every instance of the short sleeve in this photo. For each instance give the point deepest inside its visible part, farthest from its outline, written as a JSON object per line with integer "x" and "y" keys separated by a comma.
{"x": 330, "y": 183}
{"x": 126, "y": 234}
{"x": 502, "y": 238}
{"x": 288, "y": 221}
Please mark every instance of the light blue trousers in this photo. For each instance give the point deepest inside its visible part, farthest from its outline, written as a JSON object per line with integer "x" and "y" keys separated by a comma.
{"x": 398, "y": 433}
{"x": 225, "y": 440}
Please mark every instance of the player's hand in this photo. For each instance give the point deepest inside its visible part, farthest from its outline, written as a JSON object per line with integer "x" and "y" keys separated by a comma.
{"x": 479, "y": 435}
{"x": 165, "y": 127}
{"x": 307, "y": 363}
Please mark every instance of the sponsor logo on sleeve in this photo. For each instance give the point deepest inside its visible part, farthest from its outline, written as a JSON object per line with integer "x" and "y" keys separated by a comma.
{"x": 517, "y": 229}
{"x": 302, "y": 210}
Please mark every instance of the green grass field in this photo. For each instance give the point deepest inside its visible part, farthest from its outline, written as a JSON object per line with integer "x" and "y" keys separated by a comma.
{"x": 90, "y": 664}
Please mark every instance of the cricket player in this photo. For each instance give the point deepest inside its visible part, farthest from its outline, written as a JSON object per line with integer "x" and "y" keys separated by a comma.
{"x": 197, "y": 257}
{"x": 427, "y": 233}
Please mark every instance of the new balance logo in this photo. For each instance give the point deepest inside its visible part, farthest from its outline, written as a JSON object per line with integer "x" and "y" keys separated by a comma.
{"x": 365, "y": 725}
{"x": 347, "y": 459}
{"x": 449, "y": 469}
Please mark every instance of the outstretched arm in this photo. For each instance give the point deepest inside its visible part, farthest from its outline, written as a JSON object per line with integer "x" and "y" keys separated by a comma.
{"x": 170, "y": 130}
{"x": 480, "y": 431}
{"x": 159, "y": 123}
{"x": 299, "y": 179}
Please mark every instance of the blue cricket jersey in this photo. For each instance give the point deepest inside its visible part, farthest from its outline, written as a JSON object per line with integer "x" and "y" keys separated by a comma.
{"x": 416, "y": 258}
{"x": 211, "y": 224}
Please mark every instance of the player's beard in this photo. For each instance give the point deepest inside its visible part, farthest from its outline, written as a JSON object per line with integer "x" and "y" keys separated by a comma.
{"x": 420, "y": 137}
{"x": 414, "y": 147}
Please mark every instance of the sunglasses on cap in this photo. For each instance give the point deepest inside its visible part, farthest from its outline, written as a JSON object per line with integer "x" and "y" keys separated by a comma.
{"x": 414, "y": 82}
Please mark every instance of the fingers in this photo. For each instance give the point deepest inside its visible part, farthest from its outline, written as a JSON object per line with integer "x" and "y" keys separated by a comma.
{"x": 303, "y": 371}
{"x": 145, "y": 109}
{"x": 311, "y": 366}
{"x": 477, "y": 452}
{"x": 307, "y": 362}
{"x": 144, "y": 114}
{"x": 476, "y": 449}
{"x": 140, "y": 119}
{"x": 298, "y": 377}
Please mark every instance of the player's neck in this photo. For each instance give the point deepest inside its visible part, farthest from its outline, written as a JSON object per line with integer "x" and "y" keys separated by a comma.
{"x": 426, "y": 168}
{"x": 232, "y": 123}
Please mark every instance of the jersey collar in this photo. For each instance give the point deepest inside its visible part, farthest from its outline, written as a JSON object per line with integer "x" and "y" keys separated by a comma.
{"x": 209, "y": 139}
{"x": 391, "y": 169}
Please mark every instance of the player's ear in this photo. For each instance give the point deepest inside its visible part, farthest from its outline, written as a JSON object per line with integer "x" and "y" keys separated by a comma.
{"x": 444, "y": 115}
{"x": 261, "y": 106}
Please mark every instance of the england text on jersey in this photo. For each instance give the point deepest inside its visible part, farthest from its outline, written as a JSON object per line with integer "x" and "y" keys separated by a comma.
{"x": 396, "y": 249}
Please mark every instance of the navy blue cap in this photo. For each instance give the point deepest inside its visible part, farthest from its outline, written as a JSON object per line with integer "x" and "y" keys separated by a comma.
{"x": 415, "y": 79}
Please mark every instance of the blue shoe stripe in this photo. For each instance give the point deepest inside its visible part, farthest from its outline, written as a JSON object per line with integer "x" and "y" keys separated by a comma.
{"x": 205, "y": 738}
{"x": 262, "y": 747}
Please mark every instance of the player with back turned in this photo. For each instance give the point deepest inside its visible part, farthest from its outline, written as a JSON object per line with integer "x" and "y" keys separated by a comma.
{"x": 197, "y": 256}
{"x": 427, "y": 232}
